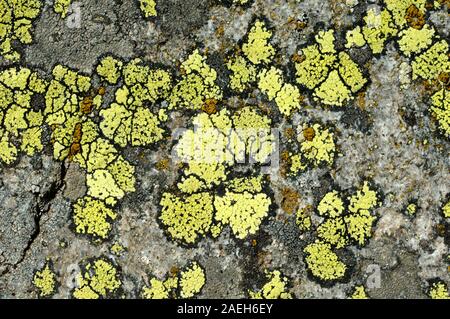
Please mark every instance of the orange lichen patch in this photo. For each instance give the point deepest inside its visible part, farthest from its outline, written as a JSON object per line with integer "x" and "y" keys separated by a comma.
{"x": 298, "y": 58}
{"x": 286, "y": 162}
{"x": 210, "y": 106}
{"x": 361, "y": 100}
{"x": 309, "y": 133}
{"x": 444, "y": 78}
{"x": 87, "y": 105}
{"x": 415, "y": 17}
{"x": 290, "y": 200}
{"x": 162, "y": 164}
{"x": 254, "y": 242}
{"x": 289, "y": 133}
{"x": 174, "y": 271}
{"x": 75, "y": 148}
{"x": 101, "y": 91}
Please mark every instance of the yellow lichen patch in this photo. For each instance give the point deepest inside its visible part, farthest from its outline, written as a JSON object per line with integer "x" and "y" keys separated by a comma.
{"x": 148, "y": 8}
{"x": 359, "y": 293}
{"x": 275, "y": 288}
{"x": 354, "y": 38}
{"x": 399, "y": 9}
{"x": 440, "y": 109}
{"x": 245, "y": 184}
{"x": 297, "y": 164}
{"x": 187, "y": 219}
{"x": 413, "y": 41}
{"x": 378, "y": 28}
{"x": 270, "y": 82}
{"x": 112, "y": 183}
{"x": 332, "y": 91}
{"x": 93, "y": 217}
{"x": 288, "y": 99}
{"x": 117, "y": 249}
{"x": 197, "y": 84}
{"x": 314, "y": 68}
{"x": 350, "y": 73}
{"x": 326, "y": 39}
{"x": 45, "y": 281}
{"x": 333, "y": 231}
{"x": 323, "y": 263}
{"x": 303, "y": 220}
{"x": 321, "y": 148}
{"x": 242, "y": 73}
{"x": 257, "y": 48}
{"x": 244, "y": 212}
{"x": 192, "y": 280}
{"x": 432, "y": 62}
{"x": 446, "y": 210}
{"x": 20, "y": 120}
{"x": 62, "y": 7}
{"x": 159, "y": 289}
{"x": 331, "y": 205}
{"x": 109, "y": 69}
{"x": 439, "y": 290}
{"x": 191, "y": 184}
{"x": 100, "y": 279}
{"x": 16, "y": 21}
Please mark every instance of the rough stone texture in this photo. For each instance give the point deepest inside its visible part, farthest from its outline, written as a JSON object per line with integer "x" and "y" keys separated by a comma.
{"x": 383, "y": 142}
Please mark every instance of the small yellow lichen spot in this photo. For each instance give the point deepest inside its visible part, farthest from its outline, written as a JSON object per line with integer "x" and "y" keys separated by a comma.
{"x": 270, "y": 82}
{"x": 45, "y": 281}
{"x": 350, "y": 73}
{"x": 446, "y": 210}
{"x": 159, "y": 289}
{"x": 187, "y": 218}
{"x": 8, "y": 152}
{"x": 331, "y": 205}
{"x": 191, "y": 184}
{"x": 62, "y": 7}
{"x": 321, "y": 149}
{"x": 333, "y": 91}
{"x": 303, "y": 220}
{"x": 275, "y": 288}
{"x": 109, "y": 69}
{"x": 323, "y": 262}
{"x": 378, "y": 28}
{"x": 244, "y": 212}
{"x": 192, "y": 280}
{"x": 440, "y": 109}
{"x": 439, "y": 290}
{"x": 99, "y": 279}
{"x": 411, "y": 209}
{"x": 413, "y": 41}
{"x": 333, "y": 231}
{"x": 245, "y": 184}
{"x": 93, "y": 217}
{"x": 297, "y": 164}
{"x": 364, "y": 199}
{"x": 432, "y": 62}
{"x": 257, "y": 47}
{"x": 117, "y": 248}
{"x": 354, "y": 38}
{"x": 148, "y": 8}
{"x": 243, "y": 73}
{"x": 359, "y": 293}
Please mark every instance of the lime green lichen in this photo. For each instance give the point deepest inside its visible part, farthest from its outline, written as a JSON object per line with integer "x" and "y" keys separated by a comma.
{"x": 326, "y": 39}
{"x": 359, "y": 293}
{"x": 412, "y": 41}
{"x": 333, "y": 231}
{"x": 270, "y": 82}
{"x": 197, "y": 84}
{"x": 252, "y": 184}
{"x": 323, "y": 263}
{"x": 297, "y": 164}
{"x": 303, "y": 220}
{"x": 288, "y": 99}
{"x": 16, "y": 21}
{"x": 100, "y": 279}
{"x": 257, "y": 48}
{"x": 192, "y": 280}
{"x": 148, "y": 8}
{"x": 350, "y": 73}
{"x": 378, "y": 28}
{"x": 242, "y": 73}
{"x": 332, "y": 91}
{"x": 187, "y": 219}
{"x": 432, "y": 62}
{"x": 354, "y": 38}
{"x": 440, "y": 109}
{"x": 117, "y": 249}
{"x": 93, "y": 217}
{"x": 438, "y": 290}
{"x": 275, "y": 288}
{"x": 331, "y": 205}
{"x": 109, "y": 69}
{"x": 62, "y": 7}
{"x": 400, "y": 7}
{"x": 244, "y": 212}
{"x": 45, "y": 281}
